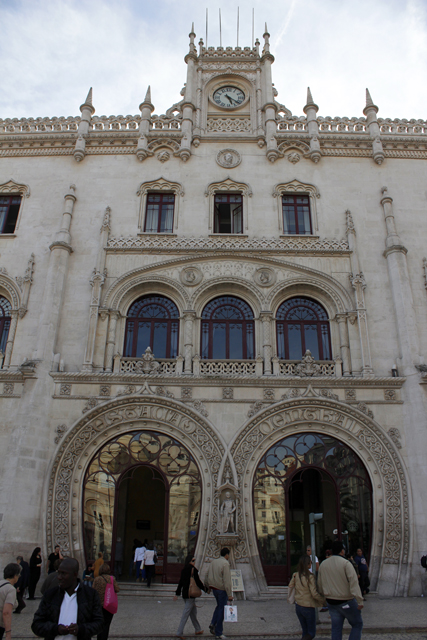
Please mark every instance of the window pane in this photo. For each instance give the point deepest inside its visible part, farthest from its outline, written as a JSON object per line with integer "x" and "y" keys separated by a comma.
{"x": 236, "y": 341}
{"x": 152, "y": 217}
{"x": 159, "y": 339}
{"x": 271, "y": 527}
{"x": 224, "y": 216}
{"x": 280, "y": 341}
{"x": 143, "y": 338}
{"x": 295, "y": 345}
{"x": 166, "y": 222}
{"x": 237, "y": 219}
{"x": 218, "y": 341}
{"x": 235, "y": 198}
{"x": 289, "y": 222}
{"x": 129, "y": 339}
{"x": 184, "y": 510}
{"x": 311, "y": 341}
{"x": 174, "y": 340}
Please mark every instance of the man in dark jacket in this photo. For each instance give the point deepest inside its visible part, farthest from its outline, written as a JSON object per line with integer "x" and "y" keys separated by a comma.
{"x": 70, "y": 609}
{"x": 22, "y": 583}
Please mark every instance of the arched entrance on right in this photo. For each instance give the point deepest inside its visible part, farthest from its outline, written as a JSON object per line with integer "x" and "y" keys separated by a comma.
{"x": 301, "y": 474}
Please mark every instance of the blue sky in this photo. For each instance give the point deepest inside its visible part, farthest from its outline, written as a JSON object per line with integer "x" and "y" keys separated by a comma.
{"x": 52, "y": 51}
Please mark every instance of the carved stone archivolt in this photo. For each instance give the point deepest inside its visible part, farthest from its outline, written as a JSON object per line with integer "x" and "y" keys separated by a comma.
{"x": 124, "y": 414}
{"x": 379, "y": 452}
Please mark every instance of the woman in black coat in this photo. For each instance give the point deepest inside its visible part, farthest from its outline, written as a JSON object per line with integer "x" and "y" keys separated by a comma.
{"x": 190, "y": 608}
{"x": 35, "y": 568}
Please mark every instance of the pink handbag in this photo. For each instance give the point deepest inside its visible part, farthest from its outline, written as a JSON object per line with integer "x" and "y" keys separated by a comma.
{"x": 110, "y": 598}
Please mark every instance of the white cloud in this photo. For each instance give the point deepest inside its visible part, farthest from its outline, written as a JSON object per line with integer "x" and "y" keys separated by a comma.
{"x": 52, "y": 51}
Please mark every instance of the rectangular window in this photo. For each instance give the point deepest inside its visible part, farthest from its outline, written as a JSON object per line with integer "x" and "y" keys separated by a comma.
{"x": 296, "y": 215}
{"x": 228, "y": 213}
{"x": 9, "y": 209}
{"x": 159, "y": 213}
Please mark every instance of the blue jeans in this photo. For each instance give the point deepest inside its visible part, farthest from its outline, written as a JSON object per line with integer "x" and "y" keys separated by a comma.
{"x": 307, "y": 618}
{"x": 350, "y": 612}
{"x": 218, "y": 615}
{"x": 138, "y": 569}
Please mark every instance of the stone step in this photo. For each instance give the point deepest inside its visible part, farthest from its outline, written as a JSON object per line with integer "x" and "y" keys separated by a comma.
{"x": 140, "y": 589}
{"x": 272, "y": 593}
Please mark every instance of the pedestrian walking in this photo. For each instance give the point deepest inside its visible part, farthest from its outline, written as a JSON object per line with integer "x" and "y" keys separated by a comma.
{"x": 22, "y": 583}
{"x": 100, "y": 585}
{"x": 189, "y": 578}
{"x": 8, "y": 600}
{"x": 308, "y": 551}
{"x": 338, "y": 582}
{"x": 88, "y": 577}
{"x": 72, "y": 609}
{"x": 363, "y": 568}
{"x": 35, "y": 570}
{"x": 138, "y": 561}
{"x": 307, "y": 597}
{"x": 219, "y": 580}
{"x": 150, "y": 560}
{"x": 53, "y": 557}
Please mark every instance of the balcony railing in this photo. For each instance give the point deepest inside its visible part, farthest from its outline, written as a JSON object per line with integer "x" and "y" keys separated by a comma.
{"x": 166, "y": 367}
{"x": 322, "y": 368}
{"x": 227, "y": 367}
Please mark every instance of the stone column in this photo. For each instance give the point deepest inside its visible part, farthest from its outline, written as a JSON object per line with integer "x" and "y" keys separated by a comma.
{"x": 97, "y": 281}
{"x": 87, "y": 110}
{"x": 341, "y": 319}
{"x": 146, "y": 109}
{"x": 311, "y": 110}
{"x": 111, "y": 340}
{"x": 370, "y": 111}
{"x": 266, "y": 318}
{"x": 10, "y": 338}
{"x": 188, "y": 317}
{"x": 188, "y": 106}
{"x": 401, "y": 291}
{"x": 60, "y": 251}
{"x": 270, "y": 107}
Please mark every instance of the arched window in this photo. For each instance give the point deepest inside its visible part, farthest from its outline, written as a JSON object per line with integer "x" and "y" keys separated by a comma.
{"x": 5, "y": 316}
{"x": 152, "y": 321}
{"x": 228, "y": 330}
{"x": 301, "y": 324}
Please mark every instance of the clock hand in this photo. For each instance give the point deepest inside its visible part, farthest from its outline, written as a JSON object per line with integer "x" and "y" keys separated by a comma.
{"x": 230, "y": 99}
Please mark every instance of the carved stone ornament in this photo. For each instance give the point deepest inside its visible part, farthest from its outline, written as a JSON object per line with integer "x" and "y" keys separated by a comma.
{"x": 265, "y": 277}
{"x": 308, "y": 366}
{"x": 227, "y": 514}
{"x": 163, "y": 156}
{"x": 191, "y": 276}
{"x": 147, "y": 364}
{"x": 294, "y": 157}
{"x": 60, "y": 430}
{"x": 228, "y": 393}
{"x": 394, "y": 434}
{"x": 228, "y": 158}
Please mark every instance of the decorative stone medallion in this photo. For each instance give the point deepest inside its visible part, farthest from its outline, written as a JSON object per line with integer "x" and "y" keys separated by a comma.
{"x": 191, "y": 276}
{"x": 265, "y": 277}
{"x": 228, "y": 158}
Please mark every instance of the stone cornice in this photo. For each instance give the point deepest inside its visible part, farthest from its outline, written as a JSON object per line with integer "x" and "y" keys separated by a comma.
{"x": 238, "y": 380}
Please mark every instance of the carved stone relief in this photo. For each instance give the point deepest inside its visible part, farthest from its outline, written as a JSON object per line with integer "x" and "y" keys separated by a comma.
{"x": 228, "y": 158}
{"x": 265, "y": 277}
{"x": 191, "y": 276}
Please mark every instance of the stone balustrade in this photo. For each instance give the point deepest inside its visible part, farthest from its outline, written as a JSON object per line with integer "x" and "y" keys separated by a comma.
{"x": 227, "y": 367}
{"x": 288, "y": 367}
{"x": 168, "y": 367}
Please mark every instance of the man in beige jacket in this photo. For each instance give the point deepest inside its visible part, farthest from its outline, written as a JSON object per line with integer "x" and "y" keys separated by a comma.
{"x": 219, "y": 580}
{"x": 338, "y": 582}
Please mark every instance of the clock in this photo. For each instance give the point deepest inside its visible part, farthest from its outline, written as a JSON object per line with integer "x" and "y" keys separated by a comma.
{"x": 228, "y": 97}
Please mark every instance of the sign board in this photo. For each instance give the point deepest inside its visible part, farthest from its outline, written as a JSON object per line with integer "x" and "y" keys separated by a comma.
{"x": 237, "y": 580}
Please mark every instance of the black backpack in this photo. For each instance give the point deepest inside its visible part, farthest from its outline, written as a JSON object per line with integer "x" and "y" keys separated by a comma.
{"x": 424, "y": 562}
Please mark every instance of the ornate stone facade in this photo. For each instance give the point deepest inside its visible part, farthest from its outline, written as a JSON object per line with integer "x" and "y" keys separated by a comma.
{"x": 69, "y": 381}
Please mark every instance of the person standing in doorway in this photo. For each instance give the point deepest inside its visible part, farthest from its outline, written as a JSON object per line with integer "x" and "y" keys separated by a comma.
{"x": 100, "y": 584}
{"x": 308, "y": 551}
{"x": 54, "y": 556}
{"x": 150, "y": 560}
{"x": 35, "y": 570}
{"x": 219, "y": 580}
{"x": 138, "y": 561}
{"x": 8, "y": 600}
{"x": 307, "y": 597}
{"x": 363, "y": 568}
{"x": 190, "y": 609}
{"x": 338, "y": 582}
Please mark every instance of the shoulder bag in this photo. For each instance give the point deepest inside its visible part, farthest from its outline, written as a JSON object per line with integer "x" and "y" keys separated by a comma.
{"x": 110, "y": 597}
{"x": 193, "y": 590}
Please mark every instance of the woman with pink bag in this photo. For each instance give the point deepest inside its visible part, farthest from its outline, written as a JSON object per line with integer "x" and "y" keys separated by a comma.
{"x": 107, "y": 588}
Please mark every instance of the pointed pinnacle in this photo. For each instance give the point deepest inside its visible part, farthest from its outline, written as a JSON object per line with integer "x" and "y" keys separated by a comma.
{"x": 369, "y": 100}
{"x": 266, "y": 30}
{"x": 192, "y": 27}
{"x": 89, "y": 98}
{"x": 309, "y": 96}
{"x": 148, "y": 95}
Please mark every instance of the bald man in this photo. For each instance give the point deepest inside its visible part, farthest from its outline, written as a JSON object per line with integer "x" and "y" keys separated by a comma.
{"x": 72, "y": 609}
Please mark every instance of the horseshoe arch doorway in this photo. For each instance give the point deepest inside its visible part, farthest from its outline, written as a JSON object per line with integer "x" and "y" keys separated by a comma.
{"x": 142, "y": 485}
{"x": 304, "y": 473}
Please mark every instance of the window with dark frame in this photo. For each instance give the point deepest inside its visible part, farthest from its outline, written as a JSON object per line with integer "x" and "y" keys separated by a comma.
{"x": 296, "y": 215}
{"x": 152, "y": 321}
{"x": 227, "y": 330}
{"x": 228, "y": 215}
{"x": 301, "y": 324}
{"x": 9, "y": 210}
{"x": 5, "y": 318}
{"x": 159, "y": 213}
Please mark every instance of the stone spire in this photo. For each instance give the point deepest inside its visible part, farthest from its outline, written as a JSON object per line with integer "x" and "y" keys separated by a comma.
{"x": 369, "y": 103}
{"x": 146, "y": 109}
{"x": 311, "y": 110}
{"x": 87, "y": 109}
{"x": 370, "y": 111}
{"x": 266, "y": 37}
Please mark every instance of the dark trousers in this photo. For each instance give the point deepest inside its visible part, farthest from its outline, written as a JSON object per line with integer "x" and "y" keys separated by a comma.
{"x": 218, "y": 615}
{"x": 149, "y": 572}
{"x": 364, "y": 582}
{"x": 34, "y": 578}
{"x": 307, "y": 619}
{"x": 107, "y": 621}
{"x": 20, "y": 598}
{"x": 2, "y": 630}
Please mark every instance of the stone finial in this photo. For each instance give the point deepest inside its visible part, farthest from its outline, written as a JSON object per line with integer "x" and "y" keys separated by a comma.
{"x": 350, "y": 223}
{"x": 369, "y": 100}
{"x": 148, "y": 94}
{"x": 88, "y": 104}
{"x": 89, "y": 97}
{"x": 309, "y": 96}
{"x": 310, "y": 102}
{"x": 370, "y": 106}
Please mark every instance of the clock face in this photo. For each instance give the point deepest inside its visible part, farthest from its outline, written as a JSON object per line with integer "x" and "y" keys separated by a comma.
{"x": 228, "y": 97}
